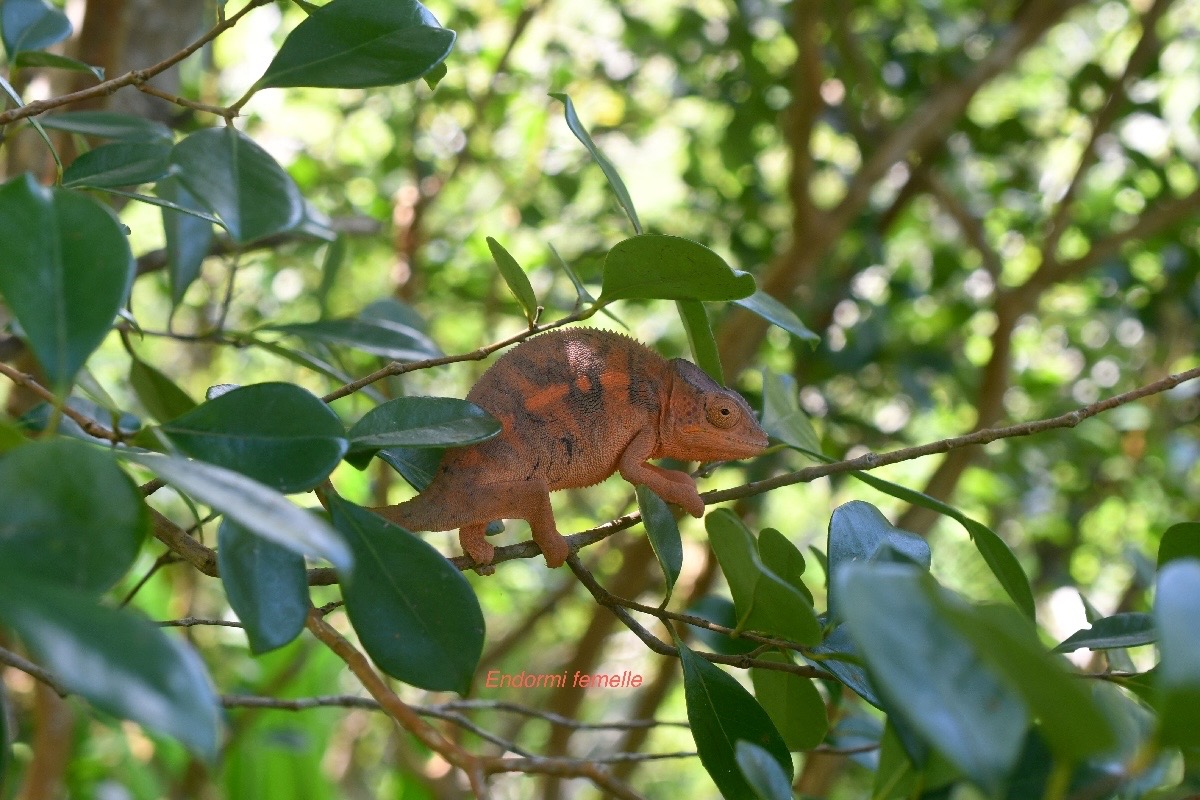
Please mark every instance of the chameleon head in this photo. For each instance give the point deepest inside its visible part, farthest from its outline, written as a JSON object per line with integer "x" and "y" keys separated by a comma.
{"x": 703, "y": 421}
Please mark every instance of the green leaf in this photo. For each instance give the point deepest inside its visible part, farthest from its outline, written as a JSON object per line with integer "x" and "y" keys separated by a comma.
{"x": 419, "y": 422}
{"x": 782, "y": 557}
{"x": 158, "y": 393}
{"x": 107, "y": 125}
{"x": 792, "y": 702}
{"x": 189, "y": 237}
{"x": 256, "y": 507}
{"x": 762, "y": 772}
{"x": 765, "y": 602}
{"x": 69, "y": 515}
{"x": 1181, "y": 540}
{"x": 276, "y": 433}
{"x": 606, "y": 166}
{"x": 31, "y": 25}
{"x": 721, "y": 611}
{"x": 857, "y": 532}
{"x": 65, "y": 271}
{"x": 1127, "y": 629}
{"x": 266, "y": 584}
{"x": 839, "y": 655}
{"x": 775, "y": 312}
{"x": 435, "y": 75}
{"x": 782, "y": 417}
{"x": 5, "y": 737}
{"x": 515, "y": 277}
{"x": 120, "y": 661}
{"x": 417, "y": 465}
{"x": 1176, "y": 609}
{"x": 414, "y": 613}
{"x": 239, "y": 182}
{"x": 37, "y": 58}
{"x": 381, "y": 337}
{"x": 925, "y": 671}
{"x": 663, "y": 532}
{"x": 700, "y": 338}
{"x": 721, "y": 714}
{"x": 38, "y": 419}
{"x": 10, "y": 436}
{"x": 654, "y": 266}
{"x": 360, "y": 43}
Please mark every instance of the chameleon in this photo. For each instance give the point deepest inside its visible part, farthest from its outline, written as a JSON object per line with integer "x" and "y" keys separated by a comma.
{"x": 575, "y": 406}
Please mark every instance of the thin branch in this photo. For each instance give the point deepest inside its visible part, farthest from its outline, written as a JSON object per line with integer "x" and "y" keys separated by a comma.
{"x": 191, "y": 622}
{"x": 160, "y": 562}
{"x": 90, "y": 426}
{"x": 11, "y": 659}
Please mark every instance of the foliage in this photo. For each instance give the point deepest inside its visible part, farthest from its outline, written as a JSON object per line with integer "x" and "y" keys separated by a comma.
{"x": 989, "y": 219}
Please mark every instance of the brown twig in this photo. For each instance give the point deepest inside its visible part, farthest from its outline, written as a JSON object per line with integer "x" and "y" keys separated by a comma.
{"x": 90, "y": 426}
{"x": 11, "y": 659}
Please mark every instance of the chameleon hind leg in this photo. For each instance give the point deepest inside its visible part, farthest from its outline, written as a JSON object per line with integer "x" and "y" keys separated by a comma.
{"x": 527, "y": 500}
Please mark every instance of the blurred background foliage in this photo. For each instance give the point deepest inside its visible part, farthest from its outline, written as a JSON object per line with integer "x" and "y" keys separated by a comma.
{"x": 987, "y": 210}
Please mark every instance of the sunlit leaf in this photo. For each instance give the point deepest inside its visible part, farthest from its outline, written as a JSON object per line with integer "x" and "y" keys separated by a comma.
{"x": 654, "y": 266}
{"x": 1127, "y": 629}
{"x": 1176, "y": 610}
{"x": 663, "y": 532}
{"x": 515, "y": 278}
{"x": 606, "y": 166}
{"x": 775, "y": 312}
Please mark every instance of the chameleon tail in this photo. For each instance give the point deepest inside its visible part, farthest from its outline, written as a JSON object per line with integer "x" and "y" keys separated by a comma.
{"x": 422, "y": 513}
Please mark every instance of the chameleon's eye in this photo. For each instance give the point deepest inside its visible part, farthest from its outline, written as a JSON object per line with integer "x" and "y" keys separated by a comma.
{"x": 723, "y": 413}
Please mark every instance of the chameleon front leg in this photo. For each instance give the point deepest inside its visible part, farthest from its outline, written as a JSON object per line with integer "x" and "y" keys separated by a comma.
{"x": 669, "y": 484}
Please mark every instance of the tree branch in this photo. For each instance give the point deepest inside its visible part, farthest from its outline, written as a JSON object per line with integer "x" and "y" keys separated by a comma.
{"x": 11, "y": 659}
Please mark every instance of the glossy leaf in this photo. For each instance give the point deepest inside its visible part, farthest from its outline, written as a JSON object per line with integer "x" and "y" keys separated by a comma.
{"x": 663, "y": 532}
{"x": 119, "y": 164}
{"x": 782, "y": 417}
{"x": 121, "y": 662}
{"x": 415, "y": 614}
{"x": 1127, "y": 629}
{"x": 1176, "y": 610}
{"x": 256, "y": 507}
{"x": 266, "y": 584}
{"x": 700, "y": 338}
{"x": 927, "y": 673}
{"x": 654, "y": 266}
{"x": 1181, "y": 540}
{"x": 762, "y": 772}
{"x": 69, "y": 515}
{"x": 239, "y": 182}
{"x": 775, "y": 312}
{"x": 515, "y": 278}
{"x": 606, "y": 166}
{"x": 792, "y": 702}
{"x": 158, "y": 393}
{"x": 721, "y": 714}
{"x": 31, "y": 25}
{"x": 189, "y": 237}
{"x": 276, "y": 433}
{"x": 379, "y": 337}
{"x": 65, "y": 271}
{"x": 858, "y": 532}
{"x": 419, "y": 422}
{"x": 38, "y": 58}
{"x": 783, "y": 558}
{"x": 108, "y": 125}
{"x": 417, "y": 465}
{"x": 360, "y": 43}
{"x": 839, "y": 654}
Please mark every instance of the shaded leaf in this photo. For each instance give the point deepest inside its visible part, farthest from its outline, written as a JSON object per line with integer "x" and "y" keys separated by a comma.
{"x": 515, "y": 278}
{"x": 1176, "y": 609}
{"x": 700, "y": 338}
{"x": 158, "y": 393}
{"x": 762, "y": 772}
{"x": 38, "y": 419}
{"x": 792, "y": 702}
{"x": 663, "y": 532}
{"x": 606, "y": 166}
{"x": 31, "y": 25}
{"x": 1127, "y": 629}
{"x": 719, "y": 610}
{"x": 839, "y": 654}
{"x": 782, "y": 417}
{"x": 419, "y": 422}
{"x": 108, "y": 125}
{"x": 119, "y": 164}
{"x": 266, "y": 584}
{"x": 858, "y": 532}
{"x": 379, "y": 337}
{"x": 1181, "y": 540}
{"x": 37, "y": 58}
{"x": 189, "y": 237}
{"x": 654, "y": 266}
{"x": 775, "y": 312}
{"x": 782, "y": 557}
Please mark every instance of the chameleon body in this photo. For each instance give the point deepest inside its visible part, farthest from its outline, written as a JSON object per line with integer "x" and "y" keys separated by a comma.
{"x": 575, "y": 406}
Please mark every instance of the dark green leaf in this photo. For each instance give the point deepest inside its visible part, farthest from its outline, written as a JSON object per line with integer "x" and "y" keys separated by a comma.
{"x": 721, "y": 611}
{"x": 414, "y": 613}
{"x": 379, "y": 337}
{"x": 1181, "y": 540}
{"x": 189, "y": 237}
{"x": 239, "y": 182}
{"x": 721, "y": 714}
{"x": 927, "y": 673}
{"x": 121, "y": 662}
{"x": 762, "y": 772}
{"x": 276, "y": 433}
{"x": 1176, "y": 610}
{"x": 107, "y": 125}
{"x": 266, "y": 585}
{"x": 256, "y": 507}
{"x": 435, "y": 75}
{"x": 69, "y": 515}
{"x": 360, "y": 43}
{"x": 65, "y": 271}
{"x": 700, "y": 338}
{"x": 38, "y": 419}
{"x": 663, "y": 531}
{"x": 782, "y": 557}
{"x": 1127, "y": 629}
{"x": 419, "y": 422}
{"x": 417, "y": 465}
{"x": 37, "y": 58}
{"x": 120, "y": 163}
{"x": 840, "y": 656}
{"x": 5, "y": 738}
{"x": 782, "y": 417}
{"x": 31, "y": 25}
{"x": 515, "y": 278}
{"x": 158, "y": 393}
{"x": 857, "y": 532}
{"x": 777, "y": 313}
{"x": 331, "y": 267}
{"x": 654, "y": 266}
{"x": 606, "y": 166}
{"x": 792, "y": 702}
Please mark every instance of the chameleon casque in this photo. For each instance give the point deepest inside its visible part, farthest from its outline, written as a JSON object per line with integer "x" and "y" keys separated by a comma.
{"x": 576, "y": 405}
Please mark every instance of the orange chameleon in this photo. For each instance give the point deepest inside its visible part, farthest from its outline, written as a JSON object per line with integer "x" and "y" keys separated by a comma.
{"x": 576, "y": 405}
